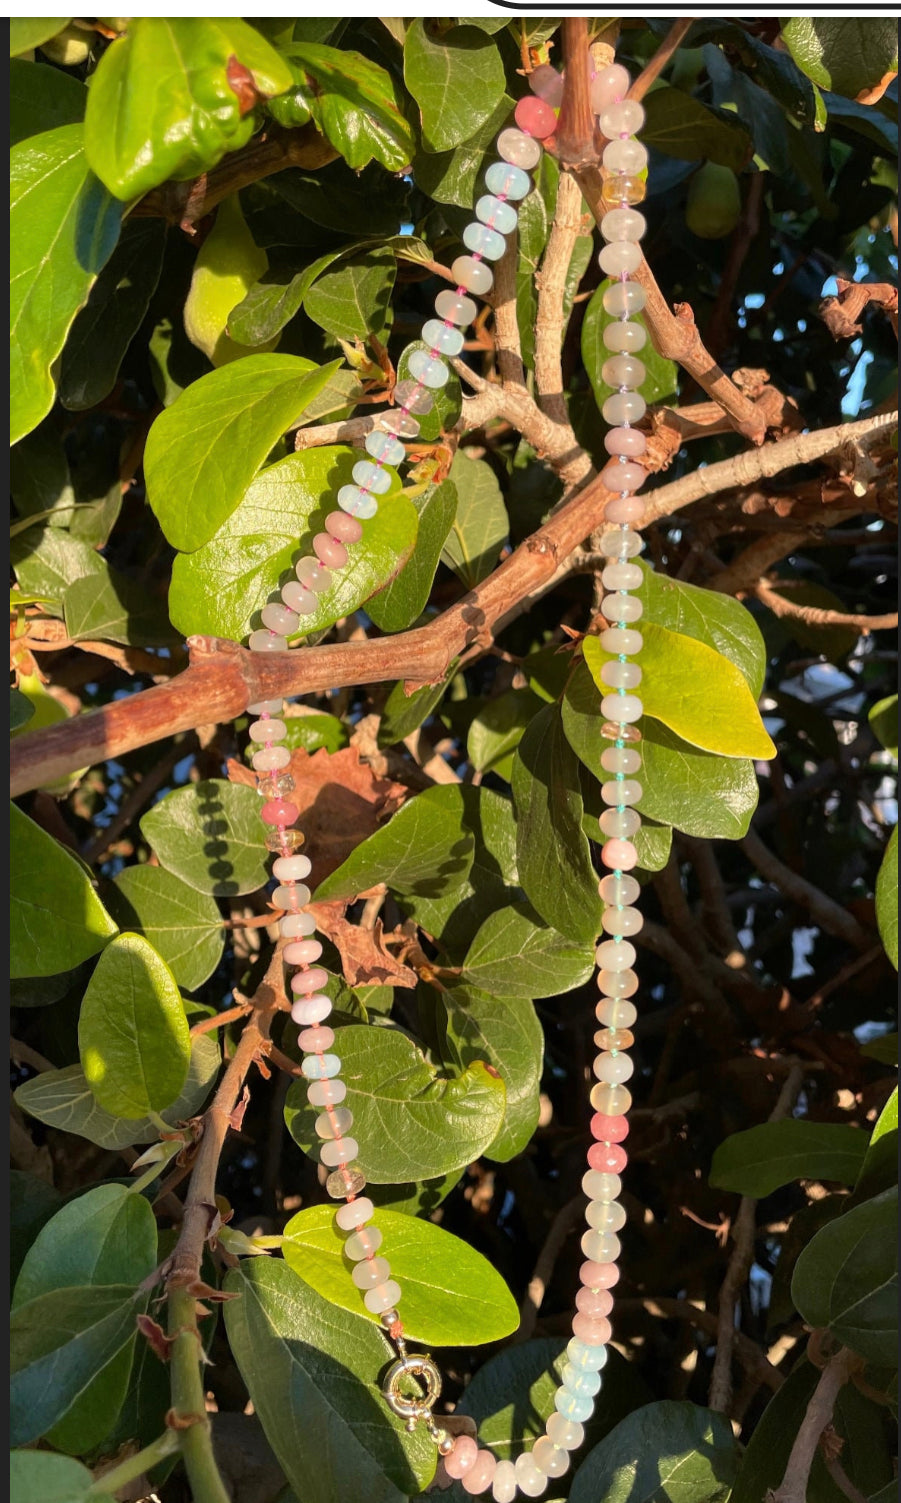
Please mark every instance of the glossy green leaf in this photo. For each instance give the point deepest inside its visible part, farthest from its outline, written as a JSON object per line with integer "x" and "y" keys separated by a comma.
{"x": 63, "y": 228}
{"x": 403, "y": 713}
{"x": 695, "y": 691}
{"x": 707, "y": 616}
{"x": 457, "y": 79}
{"x": 507, "y": 1033}
{"x": 133, "y": 1035}
{"x": 28, "y": 32}
{"x": 221, "y": 586}
{"x": 273, "y": 301}
{"x": 183, "y": 925}
{"x": 203, "y": 452}
{"x": 447, "y": 400}
{"x": 846, "y": 1279}
{"x": 312, "y": 1373}
{"x": 107, "y": 606}
{"x": 161, "y": 104}
{"x": 515, "y": 955}
{"x": 208, "y": 834}
{"x": 424, "y": 846}
{"x": 60, "y": 1342}
{"x": 667, "y": 1452}
{"x": 883, "y": 720}
{"x": 879, "y": 1170}
{"x": 356, "y": 104}
{"x": 64, "y": 1100}
{"x": 887, "y": 899}
{"x": 661, "y": 382}
{"x": 411, "y": 1122}
{"x": 497, "y": 729}
{"x": 451, "y": 177}
{"x": 402, "y": 602}
{"x": 848, "y": 54}
{"x": 43, "y": 1477}
{"x": 480, "y": 526}
{"x": 313, "y": 731}
{"x": 678, "y": 125}
{"x": 553, "y": 855}
{"x": 56, "y": 917}
{"x": 114, "y": 312}
{"x": 351, "y": 298}
{"x": 452, "y": 1295}
{"x": 41, "y": 98}
{"x": 756, "y": 1162}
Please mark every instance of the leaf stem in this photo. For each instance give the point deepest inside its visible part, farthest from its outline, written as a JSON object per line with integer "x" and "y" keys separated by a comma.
{"x": 135, "y": 1466}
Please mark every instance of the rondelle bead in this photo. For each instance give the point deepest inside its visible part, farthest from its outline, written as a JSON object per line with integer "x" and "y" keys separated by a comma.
{"x": 266, "y": 641}
{"x": 623, "y": 224}
{"x": 334, "y": 1123}
{"x": 574, "y": 1406}
{"x": 370, "y": 1272}
{"x": 398, "y": 421}
{"x": 266, "y": 707}
{"x": 617, "y": 640}
{"x": 547, "y": 84}
{"x": 616, "y": 986}
{"x": 577, "y": 1379}
{"x": 564, "y": 1433}
{"x": 305, "y": 983}
{"x": 620, "y": 824}
{"x": 595, "y": 1329}
{"x": 414, "y": 397}
{"x": 620, "y": 889}
{"x": 550, "y": 1459}
{"x": 320, "y": 1066}
{"x": 438, "y": 336}
{"x": 624, "y": 407}
{"x": 621, "y": 542}
{"x": 613, "y": 1101}
{"x": 623, "y": 608}
{"x": 382, "y": 446}
{"x": 338, "y": 524}
{"x": 619, "y": 855}
{"x": 619, "y": 475}
{"x": 371, "y": 477}
{"x": 621, "y": 676}
{"x": 624, "y": 707}
{"x": 355, "y": 1213}
{"x": 457, "y": 310}
{"x": 480, "y": 1475}
{"x": 328, "y": 1093}
{"x": 605, "y": 1216}
{"x": 311, "y": 573}
{"x": 591, "y": 1358}
{"x": 472, "y": 274}
{"x": 620, "y": 188}
{"x": 382, "y": 1297}
{"x": 485, "y": 242}
{"x": 296, "y": 925}
{"x": 624, "y": 298}
{"x": 269, "y": 729}
{"x": 330, "y": 553}
{"x": 292, "y": 869}
{"x": 535, "y": 116}
{"x": 623, "y": 370}
{"x": 624, "y": 733}
{"x": 279, "y": 618}
{"x": 511, "y": 181}
{"x": 625, "y": 338}
{"x": 615, "y": 1069}
{"x": 496, "y": 214}
{"x": 598, "y": 1184}
{"x": 519, "y": 150}
{"x": 338, "y": 1151}
{"x": 622, "y": 577}
{"x": 608, "y": 1158}
{"x": 344, "y": 1182}
{"x": 601, "y": 1247}
{"x": 614, "y": 1038}
{"x": 351, "y": 499}
{"x": 609, "y": 85}
{"x": 294, "y": 895}
{"x": 598, "y": 1275}
{"x": 270, "y": 758}
{"x": 428, "y": 369}
{"x": 622, "y": 921}
{"x": 619, "y": 258}
{"x": 462, "y": 1457}
{"x": 629, "y": 790}
{"x": 316, "y": 1040}
{"x": 301, "y": 600}
{"x": 363, "y": 1244}
{"x": 623, "y": 119}
{"x": 530, "y": 1479}
{"x": 279, "y": 785}
{"x": 302, "y": 952}
{"x": 503, "y": 1486}
{"x": 625, "y": 156}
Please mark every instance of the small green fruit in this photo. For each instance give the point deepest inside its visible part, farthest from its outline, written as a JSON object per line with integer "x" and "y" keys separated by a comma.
{"x": 713, "y": 205}
{"x": 69, "y": 48}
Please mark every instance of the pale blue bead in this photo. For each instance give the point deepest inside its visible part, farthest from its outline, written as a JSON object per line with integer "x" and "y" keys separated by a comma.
{"x": 511, "y": 181}
{"x": 578, "y": 1381}
{"x": 498, "y": 215}
{"x": 439, "y": 337}
{"x": 351, "y": 499}
{"x": 320, "y": 1066}
{"x": 588, "y": 1358}
{"x": 479, "y": 239}
{"x": 574, "y": 1406}
{"x": 384, "y": 446}
{"x": 430, "y": 372}
{"x": 372, "y": 477}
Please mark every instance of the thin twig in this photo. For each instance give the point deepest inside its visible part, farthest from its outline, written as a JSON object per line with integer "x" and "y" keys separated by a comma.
{"x": 824, "y": 911}
{"x": 793, "y": 1487}
{"x": 554, "y": 1242}
{"x": 815, "y": 615}
{"x": 652, "y": 71}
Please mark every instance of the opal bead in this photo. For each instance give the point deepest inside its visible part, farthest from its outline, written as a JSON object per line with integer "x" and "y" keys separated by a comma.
{"x": 428, "y": 369}
{"x": 594, "y": 1328}
{"x": 621, "y": 543}
{"x": 620, "y": 791}
{"x": 565, "y": 1433}
{"x": 609, "y": 1158}
{"x": 517, "y": 149}
{"x": 399, "y": 422}
{"x": 294, "y": 869}
{"x": 598, "y": 1185}
{"x": 370, "y": 1272}
{"x": 624, "y": 921}
{"x": 330, "y": 553}
{"x": 320, "y": 1066}
{"x": 623, "y": 224}
{"x": 363, "y": 1244}
{"x": 576, "y": 1379}
{"x": 530, "y": 1479}
{"x": 613, "y": 1038}
{"x": 496, "y": 214}
{"x": 302, "y": 952}
{"x": 625, "y": 337}
{"x": 295, "y": 925}
{"x": 608, "y": 85}
{"x": 339, "y": 1151}
{"x": 346, "y": 1181}
{"x": 623, "y": 370}
{"x": 623, "y": 119}
{"x": 301, "y": 600}
{"x": 615, "y": 986}
{"x": 620, "y": 824}
{"x": 625, "y": 156}
{"x": 622, "y": 299}
{"x": 266, "y": 707}
{"x": 271, "y": 758}
{"x": 352, "y": 500}
{"x": 462, "y": 1457}
{"x": 414, "y": 397}
{"x": 307, "y": 982}
{"x": 382, "y": 1297}
{"x": 511, "y": 181}
{"x": 328, "y": 1092}
{"x": 615, "y": 1069}
{"x": 550, "y": 1459}
{"x": 382, "y": 446}
{"x": 620, "y": 257}
{"x": 622, "y": 577}
{"x": 622, "y": 608}
{"x": 601, "y": 1247}
{"x": 620, "y": 889}
{"x": 472, "y": 274}
{"x": 355, "y": 1213}
{"x": 266, "y": 641}
{"x": 267, "y": 730}
{"x": 547, "y": 84}
{"x": 479, "y": 1477}
{"x": 334, "y": 1124}
{"x": 613, "y": 1101}
{"x": 620, "y": 676}
{"x": 624, "y": 407}
{"x": 536, "y": 117}
{"x": 604, "y": 1216}
{"x": 617, "y": 639}
{"x": 503, "y": 1486}
{"x": 371, "y": 477}
{"x": 609, "y": 1129}
{"x": 573, "y": 1406}
{"x": 438, "y": 336}
{"x": 310, "y": 1010}
{"x": 619, "y": 475}
{"x": 295, "y": 895}
{"x": 278, "y": 618}
{"x": 619, "y": 855}
{"x": 457, "y": 310}
{"x": 279, "y": 811}
{"x": 613, "y": 956}
{"x": 622, "y": 707}
{"x": 484, "y": 242}
{"x": 582, "y": 1354}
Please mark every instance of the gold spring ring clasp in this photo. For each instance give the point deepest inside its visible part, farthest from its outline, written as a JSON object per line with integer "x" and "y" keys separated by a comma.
{"x": 407, "y": 1408}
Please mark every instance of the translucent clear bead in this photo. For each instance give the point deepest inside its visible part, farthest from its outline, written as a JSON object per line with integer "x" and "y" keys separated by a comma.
{"x": 530, "y": 1479}
{"x": 620, "y": 257}
{"x": 601, "y": 1247}
{"x": 623, "y": 119}
{"x": 483, "y": 241}
{"x": 370, "y": 1272}
{"x": 473, "y": 274}
{"x": 335, "y": 1123}
{"x": 279, "y": 618}
{"x": 600, "y": 1186}
{"x": 277, "y": 785}
{"x": 623, "y": 224}
{"x": 623, "y": 707}
{"x": 620, "y": 188}
{"x": 382, "y": 1297}
{"x": 428, "y": 369}
{"x": 352, "y": 500}
{"x": 384, "y": 446}
{"x": 414, "y": 397}
{"x": 620, "y": 890}
{"x": 621, "y": 543}
{"x": 347, "y": 1181}
{"x": 363, "y": 1244}
{"x": 620, "y": 824}
{"x": 509, "y": 180}
{"x": 520, "y": 150}
{"x": 496, "y": 214}
{"x": 624, "y": 407}
{"x": 612, "y": 732}
{"x": 623, "y": 370}
{"x": 370, "y": 477}
{"x": 625, "y": 338}
{"x": 438, "y": 336}
{"x": 622, "y": 608}
{"x": 622, "y": 676}
{"x": 550, "y": 1459}
{"x": 565, "y": 1433}
{"x": 457, "y": 310}
{"x": 339, "y": 1151}
{"x": 624, "y": 298}
{"x": 356, "y": 1213}
{"x": 625, "y": 156}
{"x": 622, "y": 577}
{"x": 605, "y": 1216}
{"x": 266, "y": 641}
{"x": 547, "y": 83}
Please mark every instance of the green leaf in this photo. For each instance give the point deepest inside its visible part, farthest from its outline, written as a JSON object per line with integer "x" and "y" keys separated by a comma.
{"x": 352, "y": 298}
{"x": 695, "y": 691}
{"x": 488, "y": 882}
{"x": 480, "y": 526}
{"x": 758, "y": 1161}
{"x": 41, "y": 98}
{"x": 667, "y": 1452}
{"x": 447, "y": 400}
{"x": 457, "y": 79}
{"x": 403, "y": 601}
{"x": 313, "y": 731}
{"x": 497, "y": 729}
{"x": 661, "y": 382}
{"x": 848, "y": 54}
{"x": 56, "y": 917}
{"x": 21, "y": 709}
{"x": 411, "y": 1122}
{"x": 203, "y": 452}
{"x": 64, "y": 1100}
{"x": 883, "y": 720}
{"x": 208, "y": 834}
{"x": 452, "y": 1295}
{"x": 769, "y": 1447}
{"x": 884, "y": 1048}
{"x": 403, "y": 713}
{"x": 221, "y": 586}
{"x": 161, "y": 105}
{"x": 356, "y": 104}
{"x": 880, "y": 1167}
{"x": 887, "y": 899}
{"x": 553, "y": 855}
{"x": 423, "y": 847}
{"x": 28, "y": 32}
{"x": 63, "y": 228}
{"x": 721, "y": 622}
{"x": 508, "y": 1034}
{"x": 110, "y": 607}
{"x": 183, "y": 925}
{"x": 42, "y": 1477}
{"x": 312, "y": 1373}
{"x": 60, "y": 1343}
{"x": 133, "y": 1035}
{"x": 114, "y": 312}
{"x": 272, "y": 302}
{"x": 679, "y": 125}
{"x": 450, "y": 177}
{"x": 846, "y": 1279}
{"x": 515, "y": 955}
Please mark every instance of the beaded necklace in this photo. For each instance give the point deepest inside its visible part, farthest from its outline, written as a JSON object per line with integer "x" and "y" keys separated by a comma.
{"x": 507, "y": 181}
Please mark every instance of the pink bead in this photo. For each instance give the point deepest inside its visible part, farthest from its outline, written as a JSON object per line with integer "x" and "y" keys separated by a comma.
{"x": 619, "y": 855}
{"x": 547, "y": 84}
{"x": 302, "y": 952}
{"x": 625, "y": 509}
{"x": 278, "y": 811}
{"x": 608, "y": 1157}
{"x": 480, "y": 1475}
{"x": 628, "y": 441}
{"x": 594, "y": 1302}
{"x": 330, "y": 552}
{"x": 316, "y": 1040}
{"x": 306, "y": 982}
{"x": 609, "y": 1129}
{"x": 623, "y": 477}
{"x": 609, "y": 86}
{"x": 594, "y": 1330}
{"x": 339, "y": 525}
{"x": 462, "y": 1457}
{"x": 535, "y": 117}
{"x": 599, "y": 1275}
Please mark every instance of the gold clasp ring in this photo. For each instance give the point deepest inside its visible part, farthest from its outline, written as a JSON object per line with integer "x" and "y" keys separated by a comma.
{"x": 412, "y": 1409}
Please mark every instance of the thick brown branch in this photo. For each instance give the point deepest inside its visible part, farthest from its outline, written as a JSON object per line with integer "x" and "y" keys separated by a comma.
{"x": 824, "y": 911}
{"x": 665, "y": 51}
{"x": 815, "y": 615}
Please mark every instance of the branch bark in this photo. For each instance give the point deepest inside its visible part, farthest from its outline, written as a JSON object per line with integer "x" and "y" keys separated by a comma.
{"x": 824, "y": 910}
{"x": 793, "y": 1487}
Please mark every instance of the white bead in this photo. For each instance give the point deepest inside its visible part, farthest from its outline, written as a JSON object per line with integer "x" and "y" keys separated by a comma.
{"x": 382, "y": 1297}
{"x": 615, "y": 956}
{"x": 568, "y": 1434}
{"x": 623, "y": 224}
{"x": 601, "y": 1247}
{"x": 503, "y": 1487}
{"x": 530, "y": 1479}
{"x": 267, "y": 641}
{"x": 623, "y": 119}
{"x": 622, "y": 577}
{"x": 620, "y": 824}
{"x": 518, "y": 148}
{"x": 474, "y": 275}
{"x": 620, "y": 256}
{"x": 616, "y": 1012}
{"x": 605, "y": 1215}
{"x": 625, "y": 156}
{"x": 614, "y": 1069}
{"x": 297, "y": 925}
{"x": 336, "y": 1123}
{"x": 370, "y": 1272}
{"x": 622, "y": 708}
{"x": 625, "y": 338}
{"x": 356, "y": 1213}
{"x": 550, "y": 1459}
{"x": 621, "y": 542}
{"x": 622, "y": 921}
{"x": 339, "y": 1151}
{"x": 271, "y": 758}
{"x": 291, "y": 868}
{"x": 363, "y": 1243}
{"x": 600, "y": 1186}
{"x": 617, "y": 640}
{"x": 622, "y": 608}
{"x": 268, "y": 730}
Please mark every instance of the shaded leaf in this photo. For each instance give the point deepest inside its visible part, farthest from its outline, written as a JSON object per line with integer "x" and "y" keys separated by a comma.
{"x": 848, "y": 54}
{"x": 351, "y": 298}
{"x": 679, "y": 125}
{"x": 41, "y": 98}
{"x": 208, "y": 834}
{"x": 758, "y": 1161}
{"x": 480, "y": 525}
{"x": 105, "y": 327}
{"x": 515, "y": 955}
{"x": 402, "y": 601}
{"x": 846, "y": 1279}
{"x": 507, "y": 1033}
{"x": 56, "y": 917}
{"x": 887, "y": 899}
{"x": 183, "y": 925}
{"x": 667, "y": 1452}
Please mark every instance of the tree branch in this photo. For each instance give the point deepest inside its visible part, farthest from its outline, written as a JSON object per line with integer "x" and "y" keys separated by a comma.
{"x": 815, "y": 615}
{"x": 665, "y": 51}
{"x": 824, "y": 911}
{"x": 793, "y": 1487}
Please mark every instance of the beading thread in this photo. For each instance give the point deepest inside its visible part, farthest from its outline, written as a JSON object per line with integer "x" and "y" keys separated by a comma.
{"x": 622, "y": 226}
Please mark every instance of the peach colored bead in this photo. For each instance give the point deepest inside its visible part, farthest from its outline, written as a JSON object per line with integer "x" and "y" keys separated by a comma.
{"x": 619, "y": 855}
{"x": 599, "y": 1275}
{"x": 480, "y": 1475}
{"x": 594, "y": 1302}
{"x": 625, "y": 509}
{"x": 316, "y": 1040}
{"x": 329, "y": 551}
{"x": 462, "y": 1457}
{"x": 593, "y": 1330}
{"x": 339, "y": 525}
{"x": 623, "y": 477}
{"x": 302, "y": 952}
{"x": 625, "y": 441}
